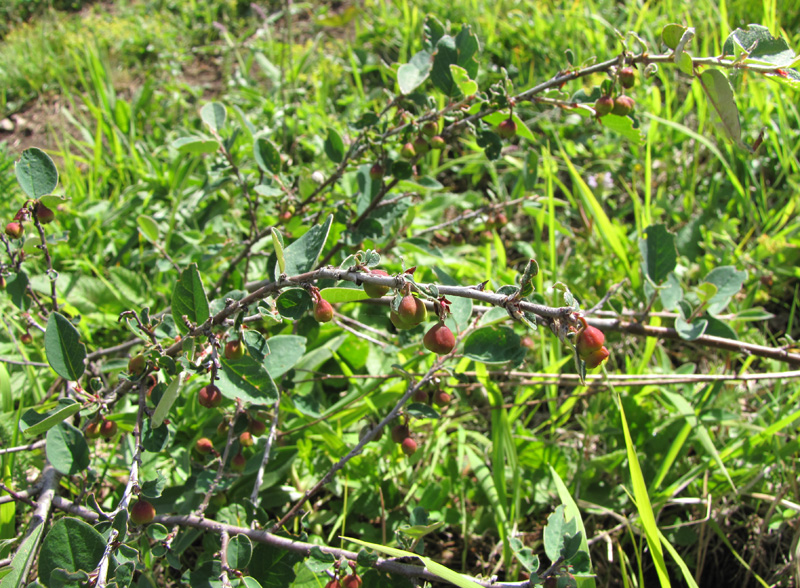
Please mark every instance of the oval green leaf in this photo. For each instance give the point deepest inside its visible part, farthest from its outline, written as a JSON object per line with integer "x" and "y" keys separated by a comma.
{"x": 65, "y": 353}
{"x": 36, "y": 173}
{"x": 66, "y": 449}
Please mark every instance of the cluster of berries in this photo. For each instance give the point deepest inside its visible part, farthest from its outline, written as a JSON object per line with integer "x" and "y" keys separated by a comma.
{"x": 622, "y": 105}
{"x": 16, "y": 228}
{"x": 439, "y": 339}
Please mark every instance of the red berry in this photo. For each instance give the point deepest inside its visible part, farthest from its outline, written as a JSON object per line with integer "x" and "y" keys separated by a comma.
{"x": 15, "y": 229}
{"x": 209, "y": 396}
{"x": 333, "y": 584}
{"x": 595, "y": 358}
{"x": 442, "y": 398}
{"x": 108, "y": 429}
{"x": 234, "y": 349}
{"x": 409, "y": 446}
{"x": 374, "y": 290}
{"x": 44, "y": 214}
{"x": 627, "y": 77}
{"x": 238, "y": 462}
{"x": 439, "y": 339}
{"x": 412, "y": 310}
{"x": 507, "y": 128}
{"x": 603, "y": 105}
{"x": 421, "y": 396}
{"x": 142, "y": 512}
{"x": 623, "y": 105}
{"x": 399, "y": 433}
{"x": 246, "y": 439}
{"x": 589, "y": 340}
{"x": 26, "y": 338}
{"x": 204, "y": 445}
{"x": 351, "y": 581}
{"x": 323, "y": 311}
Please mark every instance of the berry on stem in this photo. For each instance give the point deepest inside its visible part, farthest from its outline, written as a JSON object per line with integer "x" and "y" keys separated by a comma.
{"x": 409, "y": 446}
{"x": 204, "y": 446}
{"x": 142, "y": 512}
{"x": 590, "y": 339}
{"x": 408, "y": 151}
{"x": 507, "y": 128}
{"x": 412, "y": 310}
{"x": 234, "y": 349}
{"x": 108, "y": 429}
{"x": 374, "y": 290}
{"x": 137, "y": 365}
{"x": 603, "y": 105}
{"x": 323, "y": 311}
{"x": 256, "y": 427}
{"x": 439, "y": 339}
{"x": 209, "y": 396}
{"x": 623, "y": 105}
{"x": 438, "y": 143}
{"x": 238, "y": 462}
{"x": 421, "y": 146}
{"x": 442, "y": 398}
{"x": 400, "y": 433}
{"x": 43, "y": 214}
{"x": 246, "y": 439}
{"x": 376, "y": 172}
{"x": 430, "y": 128}
{"x": 595, "y": 358}
{"x": 627, "y": 77}
{"x": 351, "y": 581}
{"x": 15, "y": 229}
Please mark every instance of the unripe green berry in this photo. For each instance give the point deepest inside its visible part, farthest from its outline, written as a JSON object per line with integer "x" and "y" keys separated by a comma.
{"x": 623, "y": 105}
{"x": 421, "y": 146}
{"x": 399, "y": 323}
{"x": 430, "y": 128}
{"x": 604, "y": 105}
{"x": 627, "y": 77}
{"x": 256, "y": 427}
{"x": 246, "y": 439}
{"x": 408, "y": 151}
{"x": 374, "y": 290}
{"x": 438, "y": 143}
